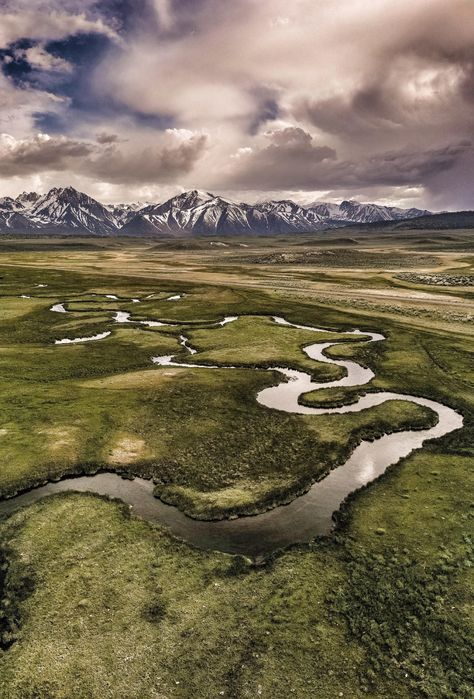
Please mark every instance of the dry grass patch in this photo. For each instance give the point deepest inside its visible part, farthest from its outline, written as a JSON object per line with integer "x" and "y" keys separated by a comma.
{"x": 61, "y": 439}
{"x": 128, "y": 449}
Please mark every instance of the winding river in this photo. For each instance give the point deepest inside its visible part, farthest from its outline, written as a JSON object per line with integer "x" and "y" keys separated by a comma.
{"x": 307, "y": 516}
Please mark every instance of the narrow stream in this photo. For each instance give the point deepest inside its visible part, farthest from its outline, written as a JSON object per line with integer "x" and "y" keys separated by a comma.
{"x": 80, "y": 340}
{"x": 305, "y": 517}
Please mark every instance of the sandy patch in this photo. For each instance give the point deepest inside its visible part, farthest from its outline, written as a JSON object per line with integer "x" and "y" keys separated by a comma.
{"x": 128, "y": 450}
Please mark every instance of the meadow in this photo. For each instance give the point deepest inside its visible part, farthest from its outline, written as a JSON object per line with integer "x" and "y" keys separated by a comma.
{"x": 96, "y": 603}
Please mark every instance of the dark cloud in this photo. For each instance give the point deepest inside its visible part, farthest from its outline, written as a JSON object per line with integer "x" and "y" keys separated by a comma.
{"x": 40, "y": 154}
{"x": 293, "y": 160}
{"x": 107, "y": 138}
{"x": 411, "y": 167}
{"x": 173, "y": 157}
{"x": 161, "y": 163}
{"x": 367, "y": 110}
{"x": 267, "y": 108}
{"x": 416, "y": 84}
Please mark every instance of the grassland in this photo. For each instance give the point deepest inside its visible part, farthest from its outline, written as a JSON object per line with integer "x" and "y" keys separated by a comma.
{"x": 97, "y": 604}
{"x": 201, "y": 435}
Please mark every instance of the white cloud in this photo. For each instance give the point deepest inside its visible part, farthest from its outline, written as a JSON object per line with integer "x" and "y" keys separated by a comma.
{"x": 48, "y": 26}
{"x": 18, "y": 106}
{"x": 39, "y": 58}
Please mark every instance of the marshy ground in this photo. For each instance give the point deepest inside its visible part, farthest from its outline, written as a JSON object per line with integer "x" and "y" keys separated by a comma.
{"x": 96, "y": 603}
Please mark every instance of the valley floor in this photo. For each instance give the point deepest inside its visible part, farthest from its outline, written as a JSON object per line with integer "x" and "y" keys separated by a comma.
{"x": 96, "y": 603}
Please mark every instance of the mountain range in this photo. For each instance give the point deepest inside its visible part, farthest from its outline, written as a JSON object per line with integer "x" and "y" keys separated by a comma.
{"x": 65, "y": 211}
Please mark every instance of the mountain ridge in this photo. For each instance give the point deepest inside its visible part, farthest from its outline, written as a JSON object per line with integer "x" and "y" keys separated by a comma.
{"x": 66, "y": 211}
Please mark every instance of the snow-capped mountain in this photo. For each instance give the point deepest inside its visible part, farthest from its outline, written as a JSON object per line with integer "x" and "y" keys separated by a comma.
{"x": 65, "y": 211}
{"x": 122, "y": 213}
{"x": 292, "y": 217}
{"x": 27, "y": 199}
{"x": 11, "y": 215}
{"x": 10, "y": 218}
{"x": 192, "y": 212}
{"x": 355, "y": 212}
{"x": 201, "y": 213}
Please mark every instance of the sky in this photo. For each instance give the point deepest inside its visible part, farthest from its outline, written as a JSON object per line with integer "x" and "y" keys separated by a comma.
{"x": 313, "y": 100}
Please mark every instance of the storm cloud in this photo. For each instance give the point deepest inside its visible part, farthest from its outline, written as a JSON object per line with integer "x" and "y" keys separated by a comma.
{"x": 251, "y": 97}
{"x": 173, "y": 154}
{"x": 40, "y": 153}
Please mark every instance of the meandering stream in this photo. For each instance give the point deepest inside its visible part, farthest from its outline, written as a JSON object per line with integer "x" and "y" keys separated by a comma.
{"x": 305, "y": 517}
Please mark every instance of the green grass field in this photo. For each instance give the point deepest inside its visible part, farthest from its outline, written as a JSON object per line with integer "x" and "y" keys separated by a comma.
{"x": 96, "y": 603}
